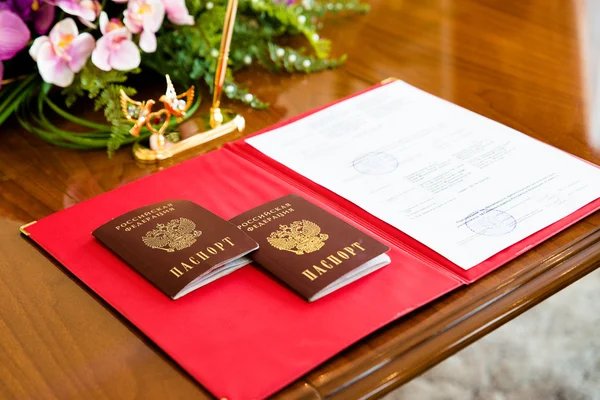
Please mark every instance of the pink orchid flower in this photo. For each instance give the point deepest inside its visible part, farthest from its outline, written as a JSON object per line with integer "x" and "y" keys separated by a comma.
{"x": 63, "y": 53}
{"x": 86, "y": 10}
{"x": 145, "y": 16}
{"x": 177, "y": 12}
{"x": 115, "y": 49}
{"x": 14, "y": 36}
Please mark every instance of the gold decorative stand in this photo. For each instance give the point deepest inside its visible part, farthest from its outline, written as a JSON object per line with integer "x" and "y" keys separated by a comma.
{"x": 220, "y": 121}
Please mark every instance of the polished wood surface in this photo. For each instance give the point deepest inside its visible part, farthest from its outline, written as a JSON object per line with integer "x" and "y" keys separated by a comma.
{"x": 522, "y": 63}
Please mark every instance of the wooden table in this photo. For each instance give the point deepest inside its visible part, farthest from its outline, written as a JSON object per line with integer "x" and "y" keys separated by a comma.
{"x": 520, "y": 63}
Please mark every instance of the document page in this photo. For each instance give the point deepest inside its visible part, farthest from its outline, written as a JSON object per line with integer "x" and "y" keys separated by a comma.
{"x": 463, "y": 185}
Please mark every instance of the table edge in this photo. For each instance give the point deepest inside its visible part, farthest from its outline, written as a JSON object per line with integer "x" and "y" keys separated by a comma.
{"x": 373, "y": 377}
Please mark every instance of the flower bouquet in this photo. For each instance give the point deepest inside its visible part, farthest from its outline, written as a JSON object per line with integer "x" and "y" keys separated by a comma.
{"x": 88, "y": 48}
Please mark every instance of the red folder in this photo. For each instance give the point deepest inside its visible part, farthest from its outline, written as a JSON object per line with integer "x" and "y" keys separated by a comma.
{"x": 246, "y": 336}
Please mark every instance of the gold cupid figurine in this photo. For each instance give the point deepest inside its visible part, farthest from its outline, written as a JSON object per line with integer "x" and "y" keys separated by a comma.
{"x": 140, "y": 113}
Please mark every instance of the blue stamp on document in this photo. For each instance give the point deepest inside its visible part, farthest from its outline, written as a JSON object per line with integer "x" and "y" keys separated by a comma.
{"x": 491, "y": 222}
{"x": 375, "y": 163}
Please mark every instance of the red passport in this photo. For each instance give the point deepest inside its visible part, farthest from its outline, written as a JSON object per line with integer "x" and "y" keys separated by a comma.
{"x": 244, "y": 336}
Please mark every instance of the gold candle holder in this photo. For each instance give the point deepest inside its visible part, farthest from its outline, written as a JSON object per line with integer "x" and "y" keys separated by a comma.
{"x": 198, "y": 130}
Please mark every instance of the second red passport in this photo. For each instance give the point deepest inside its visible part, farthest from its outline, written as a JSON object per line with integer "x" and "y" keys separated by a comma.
{"x": 309, "y": 249}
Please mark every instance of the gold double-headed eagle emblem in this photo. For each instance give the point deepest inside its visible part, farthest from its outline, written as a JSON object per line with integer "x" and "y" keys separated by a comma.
{"x": 299, "y": 237}
{"x": 177, "y": 234}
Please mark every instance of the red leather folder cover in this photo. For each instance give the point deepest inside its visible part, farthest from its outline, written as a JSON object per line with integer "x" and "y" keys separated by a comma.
{"x": 246, "y": 336}
{"x": 393, "y": 234}
{"x": 400, "y": 238}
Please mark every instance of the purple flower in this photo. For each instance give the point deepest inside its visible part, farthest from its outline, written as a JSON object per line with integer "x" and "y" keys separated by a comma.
{"x": 14, "y": 36}
{"x": 36, "y": 11}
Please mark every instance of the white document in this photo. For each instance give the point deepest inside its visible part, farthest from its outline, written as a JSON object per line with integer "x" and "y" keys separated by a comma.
{"x": 462, "y": 184}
